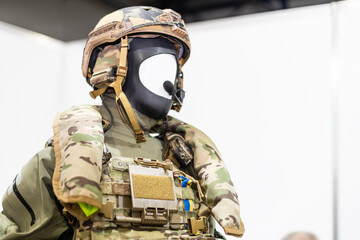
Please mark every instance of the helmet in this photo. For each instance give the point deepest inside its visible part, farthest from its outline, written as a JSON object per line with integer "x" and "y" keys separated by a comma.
{"x": 120, "y": 27}
{"x": 136, "y": 20}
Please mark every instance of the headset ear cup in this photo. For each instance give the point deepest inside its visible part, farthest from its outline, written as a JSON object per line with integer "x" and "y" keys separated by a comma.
{"x": 93, "y": 58}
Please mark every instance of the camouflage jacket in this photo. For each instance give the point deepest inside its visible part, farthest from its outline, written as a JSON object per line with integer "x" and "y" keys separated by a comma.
{"x": 45, "y": 220}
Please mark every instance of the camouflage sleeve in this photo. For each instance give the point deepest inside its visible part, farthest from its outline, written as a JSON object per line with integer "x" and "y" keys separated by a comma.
{"x": 30, "y": 209}
{"x": 214, "y": 178}
{"x": 78, "y": 146}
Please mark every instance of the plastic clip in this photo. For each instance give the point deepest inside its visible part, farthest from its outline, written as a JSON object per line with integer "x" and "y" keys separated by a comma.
{"x": 197, "y": 225}
{"x": 140, "y": 137}
{"x": 121, "y": 71}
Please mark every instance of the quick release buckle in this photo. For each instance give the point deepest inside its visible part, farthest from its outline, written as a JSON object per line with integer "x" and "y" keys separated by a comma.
{"x": 195, "y": 226}
{"x": 140, "y": 137}
{"x": 121, "y": 71}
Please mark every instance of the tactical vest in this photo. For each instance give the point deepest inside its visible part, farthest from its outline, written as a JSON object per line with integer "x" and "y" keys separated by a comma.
{"x": 141, "y": 198}
{"x": 155, "y": 199}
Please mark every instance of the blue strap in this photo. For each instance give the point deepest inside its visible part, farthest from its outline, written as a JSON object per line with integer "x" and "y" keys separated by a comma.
{"x": 188, "y": 205}
{"x": 185, "y": 182}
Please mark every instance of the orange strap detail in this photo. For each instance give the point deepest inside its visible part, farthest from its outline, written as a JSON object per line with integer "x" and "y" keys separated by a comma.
{"x": 139, "y": 134}
{"x": 97, "y": 92}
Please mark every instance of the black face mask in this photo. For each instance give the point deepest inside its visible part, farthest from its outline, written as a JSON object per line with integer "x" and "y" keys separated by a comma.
{"x": 141, "y": 98}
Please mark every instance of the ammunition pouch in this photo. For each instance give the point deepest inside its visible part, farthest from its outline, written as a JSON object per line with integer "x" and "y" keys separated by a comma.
{"x": 178, "y": 151}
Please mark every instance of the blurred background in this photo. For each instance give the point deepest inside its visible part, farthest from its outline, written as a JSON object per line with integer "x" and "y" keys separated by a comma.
{"x": 274, "y": 83}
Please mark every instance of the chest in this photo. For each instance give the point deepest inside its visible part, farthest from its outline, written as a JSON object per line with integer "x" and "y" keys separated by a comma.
{"x": 121, "y": 144}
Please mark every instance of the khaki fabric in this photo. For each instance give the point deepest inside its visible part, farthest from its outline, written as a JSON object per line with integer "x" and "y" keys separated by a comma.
{"x": 7, "y": 226}
{"x": 34, "y": 184}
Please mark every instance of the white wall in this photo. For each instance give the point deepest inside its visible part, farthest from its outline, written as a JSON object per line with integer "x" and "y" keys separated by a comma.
{"x": 30, "y": 71}
{"x": 349, "y": 119}
{"x": 258, "y": 85}
{"x": 77, "y": 90}
{"x": 265, "y": 85}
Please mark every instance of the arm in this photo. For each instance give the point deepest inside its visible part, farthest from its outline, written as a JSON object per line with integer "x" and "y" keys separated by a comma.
{"x": 38, "y": 215}
{"x": 220, "y": 193}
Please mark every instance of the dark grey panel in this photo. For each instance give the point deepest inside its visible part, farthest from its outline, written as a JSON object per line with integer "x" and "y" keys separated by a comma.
{"x": 68, "y": 20}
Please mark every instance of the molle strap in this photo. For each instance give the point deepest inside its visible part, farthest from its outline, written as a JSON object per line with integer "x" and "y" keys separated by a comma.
{"x": 116, "y": 188}
{"x": 179, "y": 173}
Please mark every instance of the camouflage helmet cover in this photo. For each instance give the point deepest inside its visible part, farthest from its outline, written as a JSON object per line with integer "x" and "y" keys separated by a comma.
{"x": 136, "y": 20}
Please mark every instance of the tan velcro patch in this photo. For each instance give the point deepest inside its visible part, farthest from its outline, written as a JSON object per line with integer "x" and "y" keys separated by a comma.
{"x": 152, "y": 187}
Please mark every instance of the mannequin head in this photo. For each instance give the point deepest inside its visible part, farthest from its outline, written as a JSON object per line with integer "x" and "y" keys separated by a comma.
{"x": 138, "y": 53}
{"x": 151, "y": 62}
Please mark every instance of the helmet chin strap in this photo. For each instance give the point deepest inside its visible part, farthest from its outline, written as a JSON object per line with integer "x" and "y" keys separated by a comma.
{"x": 121, "y": 98}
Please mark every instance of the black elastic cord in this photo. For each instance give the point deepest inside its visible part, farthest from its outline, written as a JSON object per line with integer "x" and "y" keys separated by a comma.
{"x": 108, "y": 110}
{"x": 162, "y": 135}
{"x": 23, "y": 201}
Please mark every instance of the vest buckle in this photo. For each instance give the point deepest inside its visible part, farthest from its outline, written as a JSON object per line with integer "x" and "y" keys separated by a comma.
{"x": 197, "y": 225}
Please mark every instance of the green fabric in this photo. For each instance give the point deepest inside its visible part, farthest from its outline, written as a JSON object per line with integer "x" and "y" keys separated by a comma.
{"x": 7, "y": 226}
{"x": 87, "y": 208}
{"x": 34, "y": 184}
{"x": 120, "y": 138}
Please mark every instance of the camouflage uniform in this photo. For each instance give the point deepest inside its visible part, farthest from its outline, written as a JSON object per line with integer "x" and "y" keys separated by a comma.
{"x": 47, "y": 199}
{"x": 48, "y": 222}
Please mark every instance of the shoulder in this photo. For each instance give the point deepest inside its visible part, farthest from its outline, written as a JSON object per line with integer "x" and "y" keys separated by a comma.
{"x": 42, "y": 160}
{"x": 80, "y": 110}
{"x": 179, "y": 126}
{"x": 78, "y": 122}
